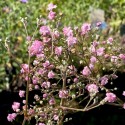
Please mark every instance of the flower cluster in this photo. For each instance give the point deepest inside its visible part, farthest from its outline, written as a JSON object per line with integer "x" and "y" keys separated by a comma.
{"x": 67, "y": 65}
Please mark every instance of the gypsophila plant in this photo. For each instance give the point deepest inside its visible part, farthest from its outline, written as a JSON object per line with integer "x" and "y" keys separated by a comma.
{"x": 67, "y": 66}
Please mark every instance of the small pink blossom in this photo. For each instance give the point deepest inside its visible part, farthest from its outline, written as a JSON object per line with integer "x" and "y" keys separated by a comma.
{"x": 92, "y": 49}
{"x": 36, "y": 87}
{"x": 46, "y": 64}
{"x": 63, "y": 93}
{"x": 41, "y": 124}
{"x": 44, "y": 30}
{"x": 42, "y": 71}
{"x": 110, "y": 40}
{"x": 56, "y": 34}
{"x": 35, "y": 80}
{"x": 51, "y": 75}
{"x": 24, "y": 68}
{"x": 71, "y": 41}
{"x": 15, "y": 106}
{"x": 46, "y": 40}
{"x": 91, "y": 66}
{"x": 104, "y": 80}
{"x": 93, "y": 59}
{"x": 110, "y": 97}
{"x": 75, "y": 80}
{"x": 85, "y": 28}
{"x": 21, "y": 93}
{"x": 67, "y": 31}
{"x": 51, "y": 6}
{"x": 114, "y": 59}
{"x": 100, "y": 51}
{"x": 45, "y": 95}
{"x": 11, "y": 117}
{"x": 123, "y": 93}
{"x": 45, "y": 85}
{"x": 51, "y": 15}
{"x": 52, "y": 101}
{"x": 36, "y": 48}
{"x": 55, "y": 117}
{"x": 58, "y": 50}
{"x": 92, "y": 88}
{"x": 106, "y": 56}
{"x": 95, "y": 43}
{"x": 31, "y": 112}
{"x": 86, "y": 71}
{"x": 124, "y": 106}
{"x": 72, "y": 69}
{"x": 122, "y": 56}
{"x": 41, "y": 55}
{"x": 98, "y": 23}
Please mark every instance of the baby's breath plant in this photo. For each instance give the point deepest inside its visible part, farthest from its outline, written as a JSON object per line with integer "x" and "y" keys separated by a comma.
{"x": 67, "y": 64}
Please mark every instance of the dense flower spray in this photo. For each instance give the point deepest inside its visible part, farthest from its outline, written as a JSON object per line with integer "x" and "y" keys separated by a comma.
{"x": 67, "y": 66}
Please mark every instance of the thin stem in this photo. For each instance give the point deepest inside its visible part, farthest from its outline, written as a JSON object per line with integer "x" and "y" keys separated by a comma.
{"x": 88, "y": 103}
{"x": 27, "y": 87}
{"x": 24, "y": 121}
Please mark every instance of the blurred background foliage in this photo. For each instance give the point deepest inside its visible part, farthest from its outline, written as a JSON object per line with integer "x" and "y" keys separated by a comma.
{"x": 13, "y": 35}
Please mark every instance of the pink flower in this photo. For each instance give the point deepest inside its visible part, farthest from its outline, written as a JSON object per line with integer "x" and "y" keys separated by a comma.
{"x": 72, "y": 69}
{"x": 41, "y": 55}
{"x": 63, "y": 93}
{"x": 52, "y": 101}
{"x": 86, "y": 71}
{"x": 51, "y": 75}
{"x": 92, "y": 49}
{"x": 24, "y": 68}
{"x": 124, "y": 106}
{"x": 95, "y": 43}
{"x": 67, "y": 31}
{"x": 110, "y": 97}
{"x": 71, "y": 41}
{"x": 45, "y": 95}
{"x": 85, "y": 28}
{"x": 36, "y": 48}
{"x": 123, "y": 93}
{"x": 31, "y": 112}
{"x": 35, "y": 79}
{"x": 92, "y": 88}
{"x": 46, "y": 64}
{"x": 98, "y": 24}
{"x": 45, "y": 85}
{"x": 110, "y": 40}
{"x": 42, "y": 71}
{"x": 46, "y": 39}
{"x": 100, "y": 51}
{"x": 21, "y": 93}
{"x": 122, "y": 56}
{"x": 51, "y": 15}
{"x": 15, "y": 106}
{"x": 56, "y": 34}
{"x": 41, "y": 124}
{"x": 44, "y": 30}
{"x": 91, "y": 66}
{"x": 104, "y": 80}
{"x": 51, "y": 6}
{"x": 114, "y": 59}
{"x": 75, "y": 80}
{"x": 93, "y": 59}
{"x": 55, "y": 117}
{"x": 11, "y": 117}
{"x": 24, "y": 1}
{"x": 58, "y": 50}
{"x": 106, "y": 56}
